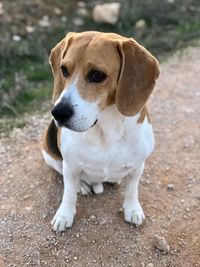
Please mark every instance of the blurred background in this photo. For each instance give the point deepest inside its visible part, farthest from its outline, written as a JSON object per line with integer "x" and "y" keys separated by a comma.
{"x": 29, "y": 29}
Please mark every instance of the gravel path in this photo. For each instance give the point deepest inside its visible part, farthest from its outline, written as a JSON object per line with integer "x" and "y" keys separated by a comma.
{"x": 169, "y": 191}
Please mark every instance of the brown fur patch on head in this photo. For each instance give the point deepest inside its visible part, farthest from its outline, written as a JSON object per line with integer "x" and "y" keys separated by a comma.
{"x": 101, "y": 55}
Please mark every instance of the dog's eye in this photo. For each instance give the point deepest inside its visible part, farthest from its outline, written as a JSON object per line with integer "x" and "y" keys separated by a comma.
{"x": 65, "y": 72}
{"x": 96, "y": 76}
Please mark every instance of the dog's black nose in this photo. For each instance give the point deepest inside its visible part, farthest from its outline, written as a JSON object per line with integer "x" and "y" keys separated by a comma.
{"x": 62, "y": 112}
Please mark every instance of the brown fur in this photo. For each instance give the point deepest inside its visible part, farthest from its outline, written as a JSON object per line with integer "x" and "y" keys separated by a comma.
{"x": 144, "y": 114}
{"x": 131, "y": 70}
{"x": 137, "y": 78}
{"x": 50, "y": 141}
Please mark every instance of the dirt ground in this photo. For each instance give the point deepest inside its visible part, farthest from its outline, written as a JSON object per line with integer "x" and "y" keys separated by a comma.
{"x": 169, "y": 191}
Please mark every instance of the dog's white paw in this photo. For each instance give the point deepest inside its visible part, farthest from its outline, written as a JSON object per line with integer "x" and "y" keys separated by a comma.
{"x": 134, "y": 214}
{"x": 63, "y": 219}
{"x": 84, "y": 188}
{"x": 97, "y": 188}
{"x": 88, "y": 189}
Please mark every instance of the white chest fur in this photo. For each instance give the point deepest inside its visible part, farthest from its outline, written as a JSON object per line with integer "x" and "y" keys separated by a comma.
{"x": 110, "y": 150}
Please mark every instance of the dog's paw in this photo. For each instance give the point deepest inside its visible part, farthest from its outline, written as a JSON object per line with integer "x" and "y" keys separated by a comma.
{"x": 84, "y": 188}
{"x": 62, "y": 220}
{"x": 97, "y": 188}
{"x": 134, "y": 214}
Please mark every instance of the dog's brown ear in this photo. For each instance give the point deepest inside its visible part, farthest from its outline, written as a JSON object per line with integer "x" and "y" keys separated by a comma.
{"x": 139, "y": 71}
{"x": 55, "y": 57}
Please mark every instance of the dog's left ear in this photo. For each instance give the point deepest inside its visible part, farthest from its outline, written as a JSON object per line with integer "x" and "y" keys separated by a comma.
{"x": 139, "y": 71}
{"x": 54, "y": 61}
{"x": 55, "y": 57}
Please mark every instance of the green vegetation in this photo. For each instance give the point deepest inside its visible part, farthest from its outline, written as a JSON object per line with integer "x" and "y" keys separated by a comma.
{"x": 25, "y": 42}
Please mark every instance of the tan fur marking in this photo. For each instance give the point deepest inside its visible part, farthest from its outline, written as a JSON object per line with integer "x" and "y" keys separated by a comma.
{"x": 144, "y": 113}
{"x": 59, "y": 136}
{"x": 46, "y": 147}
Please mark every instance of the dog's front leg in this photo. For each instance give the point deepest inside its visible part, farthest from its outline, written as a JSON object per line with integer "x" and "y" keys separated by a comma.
{"x": 65, "y": 214}
{"x": 133, "y": 212}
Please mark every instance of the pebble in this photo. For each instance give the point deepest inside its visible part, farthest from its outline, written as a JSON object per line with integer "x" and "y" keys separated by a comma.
{"x": 78, "y": 22}
{"x": 161, "y": 244}
{"x": 82, "y": 12}
{"x": 30, "y": 29}
{"x": 44, "y": 21}
{"x": 150, "y": 265}
{"x": 16, "y": 38}
{"x": 140, "y": 24}
{"x": 93, "y": 218}
{"x": 108, "y": 13}
{"x": 170, "y": 187}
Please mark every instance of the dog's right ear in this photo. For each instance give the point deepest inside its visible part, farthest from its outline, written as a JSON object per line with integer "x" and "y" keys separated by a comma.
{"x": 57, "y": 53}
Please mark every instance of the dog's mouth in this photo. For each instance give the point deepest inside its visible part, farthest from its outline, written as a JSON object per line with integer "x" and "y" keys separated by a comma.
{"x": 94, "y": 123}
{"x": 71, "y": 127}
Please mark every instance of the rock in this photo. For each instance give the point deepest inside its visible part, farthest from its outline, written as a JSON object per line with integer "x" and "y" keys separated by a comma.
{"x": 108, "y": 13}
{"x": 82, "y": 12}
{"x": 63, "y": 19}
{"x": 93, "y": 218}
{"x": 170, "y": 187}
{"x": 1, "y": 9}
{"x": 30, "y": 29}
{"x": 16, "y": 38}
{"x": 161, "y": 244}
{"x": 150, "y": 265}
{"x": 81, "y": 4}
{"x": 78, "y": 22}
{"x": 57, "y": 11}
{"x": 44, "y": 21}
{"x": 140, "y": 24}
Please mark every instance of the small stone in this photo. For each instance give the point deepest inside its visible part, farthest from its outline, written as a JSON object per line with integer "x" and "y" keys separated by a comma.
{"x": 75, "y": 258}
{"x": 16, "y": 38}
{"x": 108, "y": 13}
{"x": 82, "y": 12}
{"x": 1, "y": 9}
{"x": 81, "y": 4}
{"x": 93, "y": 218}
{"x": 44, "y": 21}
{"x": 63, "y": 19}
{"x": 150, "y": 265}
{"x": 170, "y": 187}
{"x": 140, "y": 24}
{"x": 30, "y": 29}
{"x": 78, "y": 22}
{"x": 57, "y": 11}
{"x": 120, "y": 210}
{"x": 161, "y": 244}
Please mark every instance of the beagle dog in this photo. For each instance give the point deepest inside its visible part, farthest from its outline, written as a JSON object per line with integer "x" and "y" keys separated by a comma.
{"x": 101, "y": 130}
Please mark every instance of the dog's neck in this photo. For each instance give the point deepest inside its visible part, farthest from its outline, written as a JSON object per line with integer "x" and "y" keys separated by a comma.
{"x": 111, "y": 126}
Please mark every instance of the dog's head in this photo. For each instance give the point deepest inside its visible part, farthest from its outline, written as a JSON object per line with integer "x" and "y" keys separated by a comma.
{"x": 93, "y": 70}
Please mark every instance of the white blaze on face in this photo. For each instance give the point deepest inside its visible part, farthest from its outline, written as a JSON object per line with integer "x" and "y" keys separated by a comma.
{"x": 85, "y": 113}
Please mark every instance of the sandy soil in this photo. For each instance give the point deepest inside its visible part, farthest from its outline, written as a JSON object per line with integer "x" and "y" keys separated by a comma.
{"x": 31, "y": 192}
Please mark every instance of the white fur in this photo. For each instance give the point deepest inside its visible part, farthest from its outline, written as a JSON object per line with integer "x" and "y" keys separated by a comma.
{"x": 54, "y": 164}
{"x": 85, "y": 112}
{"x": 114, "y": 149}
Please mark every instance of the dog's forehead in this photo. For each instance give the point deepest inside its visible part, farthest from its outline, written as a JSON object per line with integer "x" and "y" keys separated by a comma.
{"x": 94, "y": 47}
